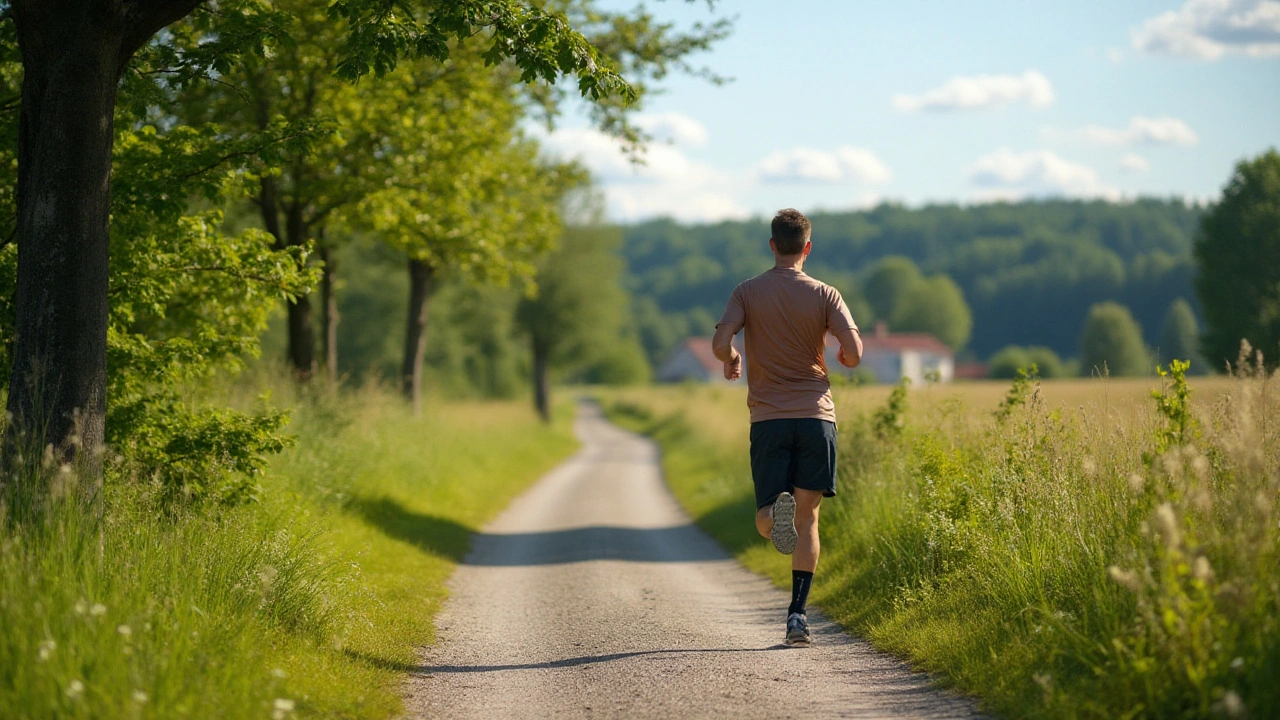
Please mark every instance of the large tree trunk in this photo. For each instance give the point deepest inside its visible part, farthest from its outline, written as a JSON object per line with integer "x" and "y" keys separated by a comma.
{"x": 330, "y": 297}
{"x": 415, "y": 336}
{"x": 541, "y": 394}
{"x": 57, "y": 392}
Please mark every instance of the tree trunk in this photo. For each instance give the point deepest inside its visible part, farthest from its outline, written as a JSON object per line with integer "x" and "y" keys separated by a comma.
{"x": 330, "y": 297}
{"x": 57, "y": 390}
{"x": 302, "y": 336}
{"x": 415, "y": 336}
{"x": 541, "y": 396}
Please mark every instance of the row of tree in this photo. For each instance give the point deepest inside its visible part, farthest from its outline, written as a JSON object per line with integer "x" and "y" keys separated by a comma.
{"x": 121, "y": 278}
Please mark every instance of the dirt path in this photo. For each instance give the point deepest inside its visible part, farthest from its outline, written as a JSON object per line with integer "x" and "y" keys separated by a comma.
{"x": 593, "y": 596}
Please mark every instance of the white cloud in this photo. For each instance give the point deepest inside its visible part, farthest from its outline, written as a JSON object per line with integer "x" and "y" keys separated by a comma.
{"x": 1134, "y": 163}
{"x": 673, "y": 127}
{"x": 980, "y": 92}
{"x": 1005, "y": 174}
{"x": 1208, "y": 29}
{"x": 667, "y": 184}
{"x": 845, "y": 164}
{"x": 1143, "y": 131}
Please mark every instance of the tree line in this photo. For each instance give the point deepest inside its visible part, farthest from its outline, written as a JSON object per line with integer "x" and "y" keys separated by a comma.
{"x": 1039, "y": 281}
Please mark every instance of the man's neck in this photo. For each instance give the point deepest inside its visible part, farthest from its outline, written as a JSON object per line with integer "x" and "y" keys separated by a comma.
{"x": 787, "y": 263}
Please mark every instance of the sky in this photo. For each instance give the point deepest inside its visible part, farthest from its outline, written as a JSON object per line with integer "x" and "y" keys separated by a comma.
{"x": 838, "y": 105}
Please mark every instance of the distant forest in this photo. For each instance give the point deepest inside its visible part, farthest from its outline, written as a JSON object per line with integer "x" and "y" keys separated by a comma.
{"x": 1029, "y": 271}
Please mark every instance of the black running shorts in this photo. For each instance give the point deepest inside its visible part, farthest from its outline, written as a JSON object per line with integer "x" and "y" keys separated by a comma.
{"x": 792, "y": 453}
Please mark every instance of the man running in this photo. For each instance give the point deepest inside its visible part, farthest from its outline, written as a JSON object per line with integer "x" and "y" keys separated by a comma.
{"x": 787, "y": 315}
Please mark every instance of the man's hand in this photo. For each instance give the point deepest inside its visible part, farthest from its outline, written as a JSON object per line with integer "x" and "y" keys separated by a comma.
{"x": 733, "y": 368}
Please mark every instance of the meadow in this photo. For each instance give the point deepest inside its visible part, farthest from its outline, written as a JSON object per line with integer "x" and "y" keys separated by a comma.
{"x": 1072, "y": 548}
{"x": 309, "y": 602}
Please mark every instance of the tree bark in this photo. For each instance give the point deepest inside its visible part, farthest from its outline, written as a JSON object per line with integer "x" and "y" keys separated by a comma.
{"x": 330, "y": 311}
{"x": 72, "y": 56}
{"x": 302, "y": 336}
{"x": 541, "y": 394}
{"x": 415, "y": 336}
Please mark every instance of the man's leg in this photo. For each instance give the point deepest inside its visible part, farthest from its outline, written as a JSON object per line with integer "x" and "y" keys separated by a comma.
{"x": 806, "y": 556}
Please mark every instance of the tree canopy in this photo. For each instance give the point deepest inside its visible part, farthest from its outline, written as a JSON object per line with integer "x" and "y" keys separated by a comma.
{"x": 1238, "y": 264}
{"x": 1111, "y": 342}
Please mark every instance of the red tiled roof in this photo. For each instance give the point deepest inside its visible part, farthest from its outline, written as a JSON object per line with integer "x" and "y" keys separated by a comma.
{"x": 700, "y": 348}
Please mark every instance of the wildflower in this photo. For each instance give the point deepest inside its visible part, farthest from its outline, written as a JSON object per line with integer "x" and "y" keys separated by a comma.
{"x": 98, "y": 610}
{"x": 1201, "y": 570}
{"x": 46, "y": 649}
{"x": 125, "y": 630}
{"x": 81, "y": 607}
{"x": 139, "y": 697}
{"x": 1137, "y": 483}
{"x": 1127, "y": 579}
{"x": 277, "y": 672}
{"x": 1230, "y": 705}
{"x": 1088, "y": 466}
{"x": 267, "y": 575}
{"x": 1200, "y": 467}
{"x": 75, "y": 689}
{"x": 1237, "y": 663}
{"x": 1167, "y": 526}
{"x": 281, "y": 709}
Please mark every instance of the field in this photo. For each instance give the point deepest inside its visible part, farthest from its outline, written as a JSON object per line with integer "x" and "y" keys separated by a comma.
{"x": 1057, "y": 549}
{"x": 309, "y": 602}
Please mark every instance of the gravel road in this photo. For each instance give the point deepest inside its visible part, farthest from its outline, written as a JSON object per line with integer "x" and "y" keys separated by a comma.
{"x": 593, "y": 596}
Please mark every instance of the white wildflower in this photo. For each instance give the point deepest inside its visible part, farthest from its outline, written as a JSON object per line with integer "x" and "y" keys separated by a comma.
{"x": 1167, "y": 526}
{"x": 281, "y": 709}
{"x": 75, "y": 689}
{"x": 139, "y": 697}
{"x": 125, "y": 630}
{"x": 81, "y": 607}
{"x": 1127, "y": 579}
{"x": 1137, "y": 483}
{"x": 46, "y": 649}
{"x": 1201, "y": 570}
{"x": 98, "y": 610}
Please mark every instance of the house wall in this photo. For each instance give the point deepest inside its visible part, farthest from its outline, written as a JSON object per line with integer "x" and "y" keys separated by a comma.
{"x": 683, "y": 365}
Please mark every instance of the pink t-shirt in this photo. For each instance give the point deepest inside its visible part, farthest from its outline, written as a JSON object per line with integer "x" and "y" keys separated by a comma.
{"x": 787, "y": 315}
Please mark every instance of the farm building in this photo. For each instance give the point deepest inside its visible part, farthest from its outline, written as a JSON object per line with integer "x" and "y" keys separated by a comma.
{"x": 693, "y": 360}
{"x": 891, "y": 356}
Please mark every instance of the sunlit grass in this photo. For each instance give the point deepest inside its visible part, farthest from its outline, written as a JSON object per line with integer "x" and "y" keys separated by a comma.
{"x": 1053, "y": 564}
{"x": 309, "y": 603}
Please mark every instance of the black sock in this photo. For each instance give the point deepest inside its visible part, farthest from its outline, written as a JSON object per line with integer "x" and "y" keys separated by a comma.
{"x": 800, "y": 582}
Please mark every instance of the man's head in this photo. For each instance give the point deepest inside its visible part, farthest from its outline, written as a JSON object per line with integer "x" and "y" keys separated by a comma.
{"x": 790, "y": 230}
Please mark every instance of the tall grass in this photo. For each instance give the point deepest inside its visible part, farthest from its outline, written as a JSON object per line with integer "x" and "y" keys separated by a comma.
{"x": 309, "y": 602}
{"x": 1099, "y": 557}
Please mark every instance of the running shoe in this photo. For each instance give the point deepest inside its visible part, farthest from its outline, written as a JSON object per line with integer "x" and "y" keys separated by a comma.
{"x": 784, "y": 534}
{"x": 797, "y": 630}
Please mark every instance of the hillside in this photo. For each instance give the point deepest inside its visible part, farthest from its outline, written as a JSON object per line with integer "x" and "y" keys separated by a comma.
{"x": 1029, "y": 270}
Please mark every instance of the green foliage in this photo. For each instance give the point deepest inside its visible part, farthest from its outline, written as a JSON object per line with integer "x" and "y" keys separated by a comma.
{"x": 1024, "y": 386}
{"x": 1180, "y": 336}
{"x": 1173, "y": 402}
{"x": 935, "y": 306}
{"x": 1006, "y": 363}
{"x": 579, "y": 312}
{"x": 1237, "y": 252}
{"x": 890, "y": 284}
{"x": 1111, "y": 342}
{"x": 1016, "y": 264}
{"x": 888, "y": 420}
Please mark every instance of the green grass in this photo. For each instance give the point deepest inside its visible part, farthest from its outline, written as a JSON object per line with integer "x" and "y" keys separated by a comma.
{"x": 1052, "y": 564}
{"x": 309, "y": 603}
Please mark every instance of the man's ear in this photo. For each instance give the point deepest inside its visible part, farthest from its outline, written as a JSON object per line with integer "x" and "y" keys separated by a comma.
{"x": 808, "y": 245}
{"x": 773, "y": 245}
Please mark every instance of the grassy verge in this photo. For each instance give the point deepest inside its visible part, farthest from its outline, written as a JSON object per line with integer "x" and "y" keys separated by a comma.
{"x": 1080, "y": 554}
{"x": 309, "y": 603}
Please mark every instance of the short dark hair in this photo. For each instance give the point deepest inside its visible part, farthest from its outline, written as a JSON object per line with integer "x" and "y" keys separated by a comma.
{"x": 790, "y": 231}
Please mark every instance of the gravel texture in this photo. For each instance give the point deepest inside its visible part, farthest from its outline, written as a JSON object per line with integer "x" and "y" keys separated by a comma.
{"x": 593, "y": 596}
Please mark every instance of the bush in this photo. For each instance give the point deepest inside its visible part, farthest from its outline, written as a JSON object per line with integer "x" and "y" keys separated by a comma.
{"x": 1111, "y": 342}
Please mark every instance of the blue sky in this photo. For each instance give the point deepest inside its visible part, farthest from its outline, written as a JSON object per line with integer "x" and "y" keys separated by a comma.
{"x": 839, "y": 105}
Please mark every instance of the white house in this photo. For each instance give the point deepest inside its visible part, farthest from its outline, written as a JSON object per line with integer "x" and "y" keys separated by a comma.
{"x": 693, "y": 360}
{"x": 892, "y": 356}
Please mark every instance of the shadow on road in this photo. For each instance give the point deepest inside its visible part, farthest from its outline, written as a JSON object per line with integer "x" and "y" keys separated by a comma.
{"x": 584, "y": 660}
{"x": 439, "y": 536}
{"x": 679, "y": 543}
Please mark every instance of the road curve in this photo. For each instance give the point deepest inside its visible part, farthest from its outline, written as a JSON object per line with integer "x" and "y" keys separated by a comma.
{"x": 593, "y": 596}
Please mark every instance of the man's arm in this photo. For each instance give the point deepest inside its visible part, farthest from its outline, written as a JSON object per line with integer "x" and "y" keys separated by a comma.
{"x": 850, "y": 354}
{"x": 722, "y": 346}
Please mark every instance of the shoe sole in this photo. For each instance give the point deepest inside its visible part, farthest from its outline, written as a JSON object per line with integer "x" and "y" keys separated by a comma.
{"x": 798, "y": 642}
{"x": 783, "y": 534}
